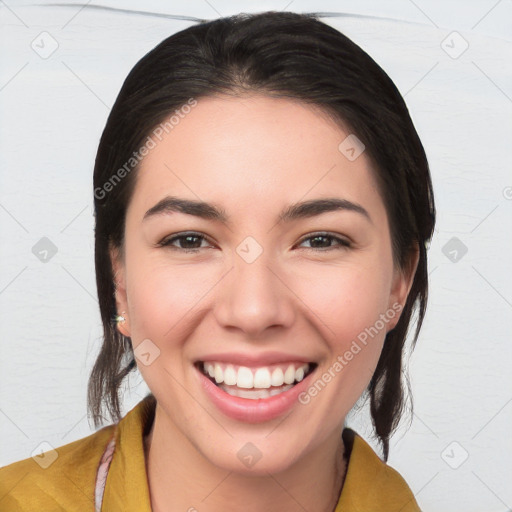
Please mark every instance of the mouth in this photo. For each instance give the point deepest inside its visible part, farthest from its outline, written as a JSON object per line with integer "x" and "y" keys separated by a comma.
{"x": 255, "y": 383}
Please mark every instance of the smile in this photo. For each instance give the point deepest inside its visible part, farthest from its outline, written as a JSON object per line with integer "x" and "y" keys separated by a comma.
{"x": 254, "y": 394}
{"x": 262, "y": 382}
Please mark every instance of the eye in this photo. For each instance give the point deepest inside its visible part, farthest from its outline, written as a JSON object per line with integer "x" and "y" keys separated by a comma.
{"x": 189, "y": 242}
{"x": 321, "y": 241}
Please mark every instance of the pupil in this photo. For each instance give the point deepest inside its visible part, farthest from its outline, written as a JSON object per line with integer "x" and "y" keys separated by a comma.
{"x": 188, "y": 238}
{"x": 319, "y": 237}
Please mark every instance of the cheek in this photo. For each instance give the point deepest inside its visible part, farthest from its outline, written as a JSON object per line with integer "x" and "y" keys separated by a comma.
{"x": 162, "y": 295}
{"x": 347, "y": 299}
{"x": 164, "y": 302}
{"x": 349, "y": 306}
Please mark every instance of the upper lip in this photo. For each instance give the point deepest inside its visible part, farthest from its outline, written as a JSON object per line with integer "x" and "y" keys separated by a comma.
{"x": 254, "y": 360}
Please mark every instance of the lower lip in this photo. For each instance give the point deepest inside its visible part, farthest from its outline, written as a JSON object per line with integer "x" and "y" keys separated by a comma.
{"x": 253, "y": 411}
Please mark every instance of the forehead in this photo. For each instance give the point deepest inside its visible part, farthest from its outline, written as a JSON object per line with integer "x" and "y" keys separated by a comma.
{"x": 253, "y": 150}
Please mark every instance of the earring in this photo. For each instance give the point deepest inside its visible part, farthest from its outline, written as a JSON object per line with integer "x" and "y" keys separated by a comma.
{"x": 120, "y": 318}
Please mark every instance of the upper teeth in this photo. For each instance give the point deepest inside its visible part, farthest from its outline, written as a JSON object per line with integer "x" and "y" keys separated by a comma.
{"x": 265, "y": 377}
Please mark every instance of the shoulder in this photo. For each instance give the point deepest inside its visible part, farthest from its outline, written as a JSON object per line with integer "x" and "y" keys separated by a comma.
{"x": 371, "y": 485}
{"x": 59, "y": 479}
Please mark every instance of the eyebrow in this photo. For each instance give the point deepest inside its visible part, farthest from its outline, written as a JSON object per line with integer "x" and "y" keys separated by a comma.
{"x": 301, "y": 210}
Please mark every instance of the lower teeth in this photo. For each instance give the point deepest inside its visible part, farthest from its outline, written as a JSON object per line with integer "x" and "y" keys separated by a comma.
{"x": 254, "y": 394}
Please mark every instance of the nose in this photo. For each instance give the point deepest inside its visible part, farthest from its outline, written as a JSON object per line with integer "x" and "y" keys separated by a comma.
{"x": 254, "y": 297}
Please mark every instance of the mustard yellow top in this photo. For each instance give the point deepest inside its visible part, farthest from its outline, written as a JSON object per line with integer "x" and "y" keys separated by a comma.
{"x": 69, "y": 482}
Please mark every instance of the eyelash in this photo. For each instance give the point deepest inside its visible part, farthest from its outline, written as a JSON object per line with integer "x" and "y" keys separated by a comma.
{"x": 342, "y": 243}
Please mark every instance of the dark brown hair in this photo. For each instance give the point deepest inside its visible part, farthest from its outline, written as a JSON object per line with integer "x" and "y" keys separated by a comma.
{"x": 280, "y": 54}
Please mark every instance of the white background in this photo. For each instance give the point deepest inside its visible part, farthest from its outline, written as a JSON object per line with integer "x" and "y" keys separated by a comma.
{"x": 52, "y": 112}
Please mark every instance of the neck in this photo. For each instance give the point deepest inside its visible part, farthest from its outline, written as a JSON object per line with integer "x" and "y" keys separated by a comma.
{"x": 173, "y": 464}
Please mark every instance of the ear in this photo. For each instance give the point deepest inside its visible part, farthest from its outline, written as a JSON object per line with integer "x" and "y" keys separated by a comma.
{"x": 402, "y": 283}
{"x": 119, "y": 276}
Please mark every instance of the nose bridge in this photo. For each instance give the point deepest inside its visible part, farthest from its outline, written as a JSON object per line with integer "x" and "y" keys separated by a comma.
{"x": 253, "y": 297}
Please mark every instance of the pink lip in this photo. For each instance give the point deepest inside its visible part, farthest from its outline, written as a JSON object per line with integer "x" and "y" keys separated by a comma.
{"x": 252, "y": 360}
{"x": 252, "y": 411}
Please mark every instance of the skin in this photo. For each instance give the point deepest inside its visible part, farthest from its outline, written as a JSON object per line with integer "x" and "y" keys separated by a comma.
{"x": 253, "y": 156}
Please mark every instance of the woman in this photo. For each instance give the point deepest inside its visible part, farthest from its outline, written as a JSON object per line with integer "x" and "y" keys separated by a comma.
{"x": 263, "y": 205}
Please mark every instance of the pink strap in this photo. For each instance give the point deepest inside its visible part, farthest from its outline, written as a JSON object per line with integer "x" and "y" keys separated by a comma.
{"x": 101, "y": 475}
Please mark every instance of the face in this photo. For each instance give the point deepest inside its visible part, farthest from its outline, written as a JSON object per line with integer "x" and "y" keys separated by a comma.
{"x": 222, "y": 301}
